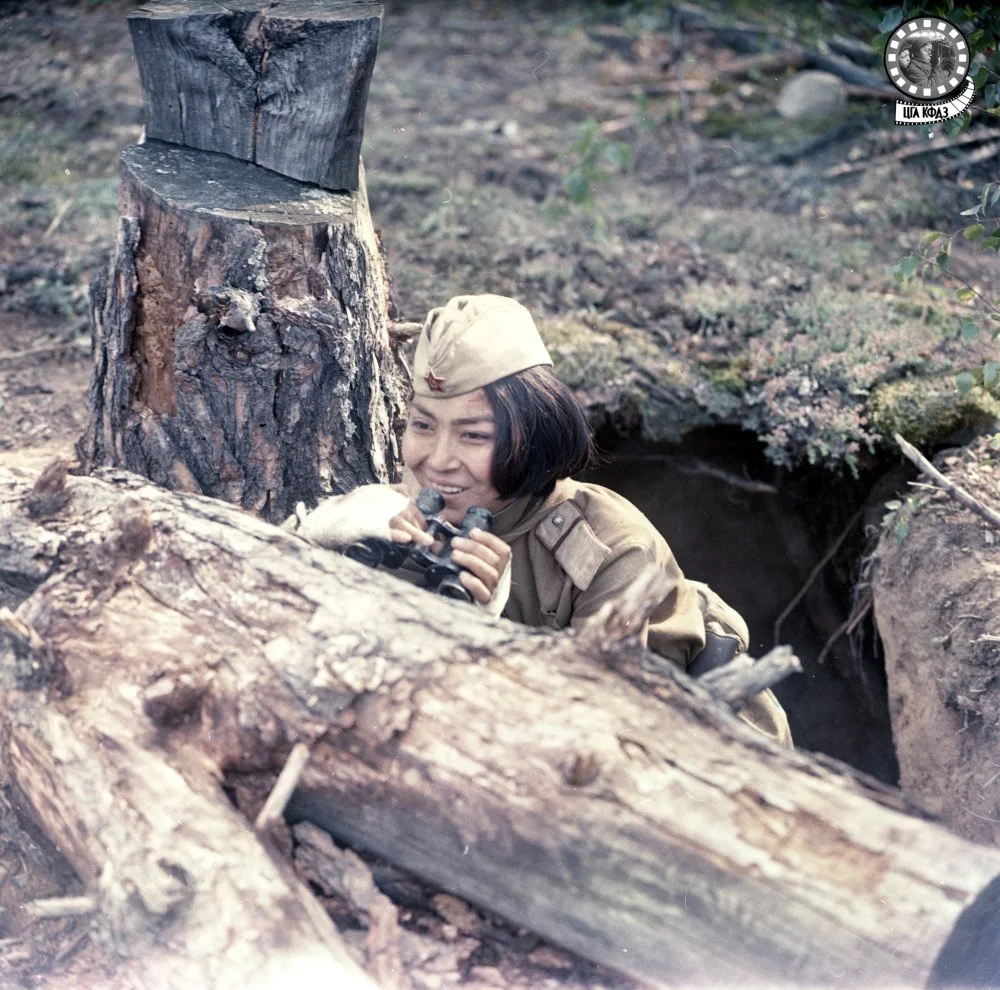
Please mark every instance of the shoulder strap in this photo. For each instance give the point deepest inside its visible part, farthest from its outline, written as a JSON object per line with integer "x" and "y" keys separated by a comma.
{"x": 567, "y": 535}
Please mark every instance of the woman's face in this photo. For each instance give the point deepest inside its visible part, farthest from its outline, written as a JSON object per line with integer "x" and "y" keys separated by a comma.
{"x": 925, "y": 51}
{"x": 448, "y": 445}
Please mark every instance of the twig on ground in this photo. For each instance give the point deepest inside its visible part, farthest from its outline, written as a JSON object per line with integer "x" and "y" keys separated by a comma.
{"x": 60, "y": 907}
{"x": 856, "y": 51}
{"x": 844, "y": 69}
{"x": 770, "y": 64}
{"x": 956, "y": 491}
{"x": 815, "y": 573}
{"x": 655, "y": 84}
{"x": 836, "y": 133}
{"x": 871, "y": 93}
{"x": 281, "y": 793}
{"x": 29, "y": 352}
{"x": 938, "y": 144}
{"x": 982, "y": 154}
{"x": 63, "y": 209}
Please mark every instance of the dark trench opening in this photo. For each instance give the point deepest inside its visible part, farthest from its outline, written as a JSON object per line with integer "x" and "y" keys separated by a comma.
{"x": 759, "y": 534}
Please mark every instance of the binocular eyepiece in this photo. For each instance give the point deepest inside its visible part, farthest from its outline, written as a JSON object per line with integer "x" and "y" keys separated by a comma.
{"x": 440, "y": 571}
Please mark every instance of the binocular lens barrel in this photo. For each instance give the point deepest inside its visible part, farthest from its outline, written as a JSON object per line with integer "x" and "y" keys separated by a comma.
{"x": 451, "y": 587}
{"x": 430, "y": 502}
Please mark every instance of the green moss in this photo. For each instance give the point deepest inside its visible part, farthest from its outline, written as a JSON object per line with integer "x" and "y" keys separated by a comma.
{"x": 33, "y": 150}
{"x": 731, "y": 378}
{"x": 926, "y": 410}
{"x": 584, "y": 358}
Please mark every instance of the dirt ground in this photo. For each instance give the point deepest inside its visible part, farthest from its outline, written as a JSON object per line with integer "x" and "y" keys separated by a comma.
{"x": 616, "y": 175}
{"x": 937, "y": 583}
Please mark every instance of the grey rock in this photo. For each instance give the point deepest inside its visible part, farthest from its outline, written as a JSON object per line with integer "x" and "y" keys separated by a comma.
{"x": 812, "y": 94}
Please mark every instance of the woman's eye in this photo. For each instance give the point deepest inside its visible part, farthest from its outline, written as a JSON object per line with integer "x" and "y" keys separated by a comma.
{"x": 419, "y": 425}
{"x": 479, "y": 437}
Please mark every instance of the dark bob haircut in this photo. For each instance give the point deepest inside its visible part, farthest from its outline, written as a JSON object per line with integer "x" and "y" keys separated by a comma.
{"x": 541, "y": 434}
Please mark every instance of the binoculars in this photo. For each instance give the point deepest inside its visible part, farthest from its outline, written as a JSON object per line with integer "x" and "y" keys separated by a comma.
{"x": 440, "y": 571}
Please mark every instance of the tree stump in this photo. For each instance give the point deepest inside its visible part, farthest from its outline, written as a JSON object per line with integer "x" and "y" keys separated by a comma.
{"x": 282, "y": 84}
{"x": 241, "y": 345}
{"x": 565, "y": 781}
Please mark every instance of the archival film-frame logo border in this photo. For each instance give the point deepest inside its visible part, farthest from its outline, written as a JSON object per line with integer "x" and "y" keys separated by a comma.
{"x": 927, "y": 59}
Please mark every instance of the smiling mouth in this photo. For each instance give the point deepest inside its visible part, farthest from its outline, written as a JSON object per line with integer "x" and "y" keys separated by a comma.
{"x": 448, "y": 489}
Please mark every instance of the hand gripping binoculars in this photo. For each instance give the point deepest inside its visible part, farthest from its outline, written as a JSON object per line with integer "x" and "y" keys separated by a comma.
{"x": 440, "y": 571}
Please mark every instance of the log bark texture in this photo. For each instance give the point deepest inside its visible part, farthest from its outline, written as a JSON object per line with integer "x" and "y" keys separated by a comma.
{"x": 241, "y": 345}
{"x": 557, "y": 779}
{"x": 281, "y": 84}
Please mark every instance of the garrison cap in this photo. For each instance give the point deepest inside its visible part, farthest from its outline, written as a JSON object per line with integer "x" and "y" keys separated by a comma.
{"x": 472, "y": 341}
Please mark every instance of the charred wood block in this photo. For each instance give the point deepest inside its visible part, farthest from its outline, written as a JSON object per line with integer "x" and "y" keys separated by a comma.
{"x": 281, "y": 84}
{"x": 240, "y": 326}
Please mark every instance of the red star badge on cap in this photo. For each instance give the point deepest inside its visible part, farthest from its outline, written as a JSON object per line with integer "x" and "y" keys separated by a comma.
{"x": 434, "y": 383}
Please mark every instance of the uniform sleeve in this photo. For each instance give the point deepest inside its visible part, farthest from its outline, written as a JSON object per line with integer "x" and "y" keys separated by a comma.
{"x": 341, "y": 519}
{"x": 676, "y": 629}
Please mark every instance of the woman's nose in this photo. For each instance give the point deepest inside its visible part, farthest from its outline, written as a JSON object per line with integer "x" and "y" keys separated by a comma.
{"x": 442, "y": 456}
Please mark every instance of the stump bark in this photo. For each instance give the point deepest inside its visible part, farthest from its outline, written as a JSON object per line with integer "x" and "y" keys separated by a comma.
{"x": 241, "y": 345}
{"x": 561, "y": 780}
{"x": 282, "y": 84}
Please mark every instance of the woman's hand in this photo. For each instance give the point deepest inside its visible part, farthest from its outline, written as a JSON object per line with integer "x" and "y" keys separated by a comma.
{"x": 483, "y": 558}
{"x": 409, "y": 526}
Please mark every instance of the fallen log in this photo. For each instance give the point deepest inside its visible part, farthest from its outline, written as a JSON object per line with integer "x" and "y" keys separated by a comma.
{"x": 173, "y": 643}
{"x": 183, "y": 886}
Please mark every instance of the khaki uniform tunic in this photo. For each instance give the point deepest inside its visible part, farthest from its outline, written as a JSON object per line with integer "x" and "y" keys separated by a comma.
{"x": 583, "y": 546}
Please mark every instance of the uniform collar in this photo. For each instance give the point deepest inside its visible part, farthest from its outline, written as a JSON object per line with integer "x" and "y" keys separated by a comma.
{"x": 525, "y": 513}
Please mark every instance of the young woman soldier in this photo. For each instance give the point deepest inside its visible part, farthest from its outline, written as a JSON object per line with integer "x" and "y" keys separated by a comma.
{"x": 490, "y": 425}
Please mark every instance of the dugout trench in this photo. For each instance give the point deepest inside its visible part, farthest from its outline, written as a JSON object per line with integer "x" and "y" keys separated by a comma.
{"x": 762, "y": 536}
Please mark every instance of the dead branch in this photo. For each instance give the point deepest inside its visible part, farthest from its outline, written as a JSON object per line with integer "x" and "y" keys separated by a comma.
{"x": 928, "y": 148}
{"x": 343, "y": 872}
{"x": 288, "y": 780}
{"x": 63, "y": 347}
{"x": 976, "y": 157}
{"x": 956, "y": 491}
{"x": 742, "y": 678}
{"x": 623, "y": 617}
{"x": 61, "y": 907}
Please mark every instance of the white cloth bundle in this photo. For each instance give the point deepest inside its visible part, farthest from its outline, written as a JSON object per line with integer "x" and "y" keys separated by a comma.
{"x": 341, "y": 520}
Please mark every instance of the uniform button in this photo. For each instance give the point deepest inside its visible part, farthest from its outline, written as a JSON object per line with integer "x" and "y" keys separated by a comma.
{"x": 557, "y": 520}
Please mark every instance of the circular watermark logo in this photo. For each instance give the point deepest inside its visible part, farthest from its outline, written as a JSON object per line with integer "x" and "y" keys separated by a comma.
{"x": 926, "y": 58}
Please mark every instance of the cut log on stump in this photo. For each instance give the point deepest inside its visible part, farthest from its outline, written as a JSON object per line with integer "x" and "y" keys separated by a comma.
{"x": 281, "y": 84}
{"x": 552, "y": 778}
{"x": 241, "y": 336}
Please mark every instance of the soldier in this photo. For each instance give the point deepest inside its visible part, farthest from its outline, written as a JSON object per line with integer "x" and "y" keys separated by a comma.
{"x": 489, "y": 424}
{"x": 918, "y": 69}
